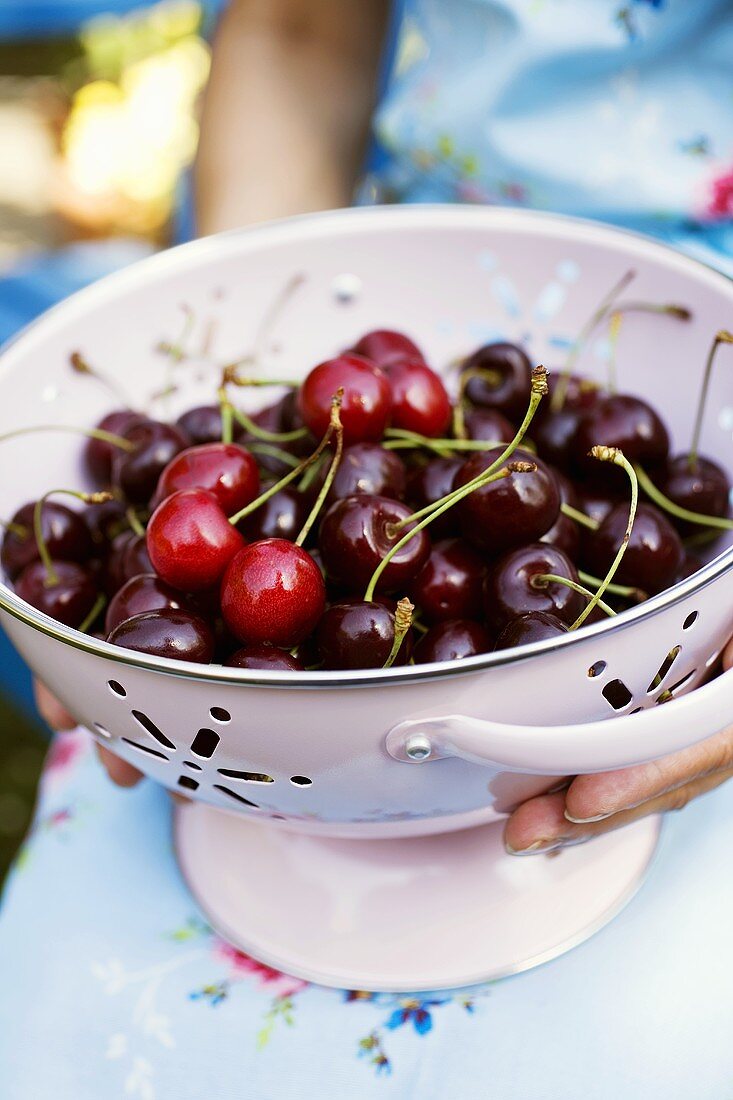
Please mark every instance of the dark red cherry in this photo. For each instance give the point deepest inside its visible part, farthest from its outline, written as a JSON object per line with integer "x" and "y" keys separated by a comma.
{"x": 596, "y": 502}
{"x": 69, "y": 600}
{"x": 452, "y": 641}
{"x": 554, "y": 435}
{"x": 701, "y": 487}
{"x": 356, "y": 634}
{"x": 690, "y": 564}
{"x": 653, "y": 557}
{"x": 535, "y": 626}
{"x": 432, "y": 482}
{"x": 146, "y": 592}
{"x": 224, "y": 469}
{"x": 366, "y": 403}
{"x": 191, "y": 541}
{"x": 489, "y": 425}
{"x": 625, "y": 422}
{"x": 507, "y": 386}
{"x": 450, "y": 584}
{"x": 135, "y": 558}
{"x": 135, "y": 473}
{"x": 369, "y": 468}
{"x": 113, "y": 564}
{"x": 99, "y": 454}
{"x": 272, "y": 592}
{"x": 420, "y": 402}
{"x": 516, "y": 509}
{"x": 264, "y": 657}
{"x": 385, "y": 347}
{"x": 66, "y": 536}
{"x": 179, "y": 635}
{"x": 280, "y": 517}
{"x": 511, "y": 588}
{"x": 355, "y": 535}
{"x": 104, "y": 521}
{"x": 580, "y": 392}
{"x": 202, "y": 424}
{"x": 565, "y": 532}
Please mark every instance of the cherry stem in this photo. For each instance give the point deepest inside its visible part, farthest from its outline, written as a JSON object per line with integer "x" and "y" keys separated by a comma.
{"x": 310, "y": 476}
{"x": 16, "y": 529}
{"x": 99, "y": 603}
{"x": 52, "y": 577}
{"x": 273, "y": 452}
{"x": 335, "y": 426}
{"x": 624, "y": 590}
{"x": 541, "y": 580}
{"x": 90, "y": 433}
{"x": 405, "y": 438}
{"x": 668, "y": 505}
{"x": 579, "y": 517}
{"x": 561, "y": 390}
{"x": 402, "y": 623}
{"x": 271, "y": 315}
{"x": 230, "y": 377}
{"x": 722, "y": 337}
{"x": 227, "y": 413}
{"x": 493, "y": 377}
{"x": 81, "y": 366}
{"x": 614, "y": 455}
{"x": 135, "y": 524}
{"x": 700, "y": 538}
{"x": 299, "y": 469}
{"x": 253, "y": 428}
{"x": 539, "y": 390}
{"x": 614, "y": 330}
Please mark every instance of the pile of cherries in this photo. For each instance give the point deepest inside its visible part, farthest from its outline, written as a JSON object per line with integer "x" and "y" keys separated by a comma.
{"x": 365, "y": 519}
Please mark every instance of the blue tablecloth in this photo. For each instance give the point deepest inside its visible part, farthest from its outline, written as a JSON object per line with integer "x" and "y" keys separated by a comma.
{"x": 114, "y": 986}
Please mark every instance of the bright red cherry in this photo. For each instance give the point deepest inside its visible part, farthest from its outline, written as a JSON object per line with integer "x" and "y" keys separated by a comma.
{"x": 420, "y": 402}
{"x": 272, "y": 592}
{"x": 506, "y": 385}
{"x": 512, "y": 587}
{"x": 99, "y": 454}
{"x": 191, "y": 541}
{"x": 135, "y": 473}
{"x": 66, "y": 536}
{"x": 146, "y": 592}
{"x": 653, "y": 557}
{"x": 450, "y": 584}
{"x": 224, "y": 469}
{"x": 366, "y": 404}
{"x": 264, "y": 657}
{"x": 69, "y": 600}
{"x": 179, "y": 635}
{"x": 535, "y": 626}
{"x": 357, "y": 634}
{"x": 452, "y": 641}
{"x": 385, "y": 346}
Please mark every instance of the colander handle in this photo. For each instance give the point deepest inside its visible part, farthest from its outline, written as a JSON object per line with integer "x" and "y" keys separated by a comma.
{"x": 569, "y": 750}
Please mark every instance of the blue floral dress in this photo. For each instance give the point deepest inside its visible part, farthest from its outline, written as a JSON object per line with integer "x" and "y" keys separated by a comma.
{"x": 114, "y": 984}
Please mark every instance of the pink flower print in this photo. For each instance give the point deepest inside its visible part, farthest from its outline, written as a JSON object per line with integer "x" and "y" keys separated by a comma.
{"x": 721, "y": 201}
{"x": 243, "y": 966}
{"x": 66, "y": 750}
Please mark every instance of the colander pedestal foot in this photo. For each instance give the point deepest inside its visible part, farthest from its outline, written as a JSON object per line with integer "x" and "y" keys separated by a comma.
{"x": 402, "y": 914}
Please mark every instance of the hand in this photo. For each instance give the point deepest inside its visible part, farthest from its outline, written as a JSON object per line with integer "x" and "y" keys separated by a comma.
{"x": 595, "y": 804}
{"x": 58, "y": 718}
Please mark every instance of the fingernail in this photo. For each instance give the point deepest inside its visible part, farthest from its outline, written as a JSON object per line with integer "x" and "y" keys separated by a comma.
{"x": 589, "y": 820}
{"x": 539, "y": 847}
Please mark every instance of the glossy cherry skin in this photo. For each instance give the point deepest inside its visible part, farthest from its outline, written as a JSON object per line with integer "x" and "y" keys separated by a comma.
{"x": 202, "y": 424}
{"x": 452, "y": 641}
{"x": 354, "y": 538}
{"x": 146, "y": 592}
{"x": 104, "y": 521}
{"x": 554, "y": 435}
{"x": 450, "y": 584}
{"x": 581, "y": 393}
{"x": 280, "y": 517}
{"x": 625, "y": 422}
{"x": 356, "y": 634}
{"x": 385, "y": 346}
{"x": 135, "y": 473}
{"x": 511, "y": 391}
{"x": 489, "y": 425}
{"x": 510, "y": 589}
{"x": 535, "y": 626}
{"x": 191, "y": 541}
{"x": 272, "y": 592}
{"x": 135, "y": 558}
{"x": 420, "y": 402}
{"x": 565, "y": 532}
{"x": 99, "y": 454}
{"x": 704, "y": 488}
{"x": 514, "y": 510}
{"x": 69, "y": 601}
{"x": 429, "y": 483}
{"x": 66, "y": 536}
{"x": 224, "y": 469}
{"x": 653, "y": 557}
{"x": 369, "y": 468}
{"x": 366, "y": 403}
{"x": 179, "y": 635}
{"x": 264, "y": 657}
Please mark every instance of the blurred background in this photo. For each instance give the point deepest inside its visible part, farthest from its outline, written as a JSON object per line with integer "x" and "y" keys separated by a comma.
{"x": 98, "y": 125}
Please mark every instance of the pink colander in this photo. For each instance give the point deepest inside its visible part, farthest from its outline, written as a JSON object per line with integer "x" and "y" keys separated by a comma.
{"x": 347, "y": 826}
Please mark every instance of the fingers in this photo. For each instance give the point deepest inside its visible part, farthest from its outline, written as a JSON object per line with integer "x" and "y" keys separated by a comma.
{"x": 728, "y": 656}
{"x": 540, "y": 825}
{"x": 590, "y": 797}
{"x": 119, "y": 771}
{"x": 54, "y": 714}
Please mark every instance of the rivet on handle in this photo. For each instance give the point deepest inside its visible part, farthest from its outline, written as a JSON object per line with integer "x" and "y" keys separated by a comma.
{"x": 418, "y": 747}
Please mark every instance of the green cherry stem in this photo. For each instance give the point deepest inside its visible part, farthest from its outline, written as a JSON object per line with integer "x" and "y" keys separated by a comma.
{"x": 624, "y": 590}
{"x": 52, "y": 577}
{"x": 668, "y": 505}
{"x": 402, "y": 623}
{"x": 99, "y": 603}
{"x": 80, "y": 365}
{"x": 721, "y": 337}
{"x": 541, "y": 580}
{"x": 90, "y": 433}
{"x": 335, "y": 427}
{"x": 253, "y": 428}
{"x": 612, "y": 454}
{"x": 135, "y": 524}
{"x": 579, "y": 517}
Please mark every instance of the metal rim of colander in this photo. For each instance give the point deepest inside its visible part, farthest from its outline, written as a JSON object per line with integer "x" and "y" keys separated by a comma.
{"x": 423, "y": 216}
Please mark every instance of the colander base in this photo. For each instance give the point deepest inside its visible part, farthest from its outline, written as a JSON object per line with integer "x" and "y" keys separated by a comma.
{"x": 423, "y": 913}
